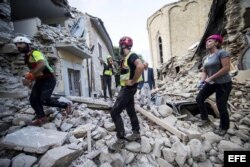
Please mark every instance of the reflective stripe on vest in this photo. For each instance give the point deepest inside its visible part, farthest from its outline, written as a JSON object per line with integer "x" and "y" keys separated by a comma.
{"x": 32, "y": 61}
{"x": 108, "y": 72}
{"x": 36, "y": 56}
{"x": 125, "y": 77}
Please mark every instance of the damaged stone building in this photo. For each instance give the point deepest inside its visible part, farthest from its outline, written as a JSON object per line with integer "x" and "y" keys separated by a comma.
{"x": 71, "y": 40}
{"x": 169, "y": 134}
{"x": 175, "y": 27}
{"x": 189, "y": 23}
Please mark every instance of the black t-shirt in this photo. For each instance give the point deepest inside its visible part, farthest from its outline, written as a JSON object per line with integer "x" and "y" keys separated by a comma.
{"x": 131, "y": 65}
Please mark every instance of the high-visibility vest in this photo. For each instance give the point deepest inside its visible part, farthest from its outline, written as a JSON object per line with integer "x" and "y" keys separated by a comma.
{"x": 126, "y": 76}
{"x": 33, "y": 57}
{"x": 108, "y": 72}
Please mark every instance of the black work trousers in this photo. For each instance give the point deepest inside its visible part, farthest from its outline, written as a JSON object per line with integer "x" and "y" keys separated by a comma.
{"x": 222, "y": 94}
{"x": 41, "y": 95}
{"x": 125, "y": 100}
{"x": 107, "y": 83}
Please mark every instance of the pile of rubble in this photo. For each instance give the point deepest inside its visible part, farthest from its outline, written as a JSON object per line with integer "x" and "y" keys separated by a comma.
{"x": 168, "y": 138}
{"x": 82, "y": 138}
{"x": 12, "y": 65}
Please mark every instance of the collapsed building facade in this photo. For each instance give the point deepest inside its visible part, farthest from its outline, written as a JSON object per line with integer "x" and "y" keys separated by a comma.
{"x": 228, "y": 18}
{"x": 72, "y": 41}
{"x": 82, "y": 138}
{"x": 175, "y": 27}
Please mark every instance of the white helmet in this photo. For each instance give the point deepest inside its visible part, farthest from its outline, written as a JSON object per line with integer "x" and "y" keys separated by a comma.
{"x": 108, "y": 57}
{"x": 21, "y": 39}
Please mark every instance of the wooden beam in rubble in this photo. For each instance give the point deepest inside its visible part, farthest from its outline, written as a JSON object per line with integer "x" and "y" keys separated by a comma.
{"x": 163, "y": 124}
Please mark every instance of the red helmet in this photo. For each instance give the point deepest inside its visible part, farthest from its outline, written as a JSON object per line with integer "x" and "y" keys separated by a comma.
{"x": 126, "y": 42}
{"x": 216, "y": 37}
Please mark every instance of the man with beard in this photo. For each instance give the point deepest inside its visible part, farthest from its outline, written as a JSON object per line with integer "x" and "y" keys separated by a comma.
{"x": 42, "y": 74}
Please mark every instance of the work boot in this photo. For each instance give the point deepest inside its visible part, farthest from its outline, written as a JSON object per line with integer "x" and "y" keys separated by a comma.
{"x": 117, "y": 146}
{"x": 39, "y": 121}
{"x": 220, "y": 132}
{"x": 134, "y": 137}
{"x": 203, "y": 123}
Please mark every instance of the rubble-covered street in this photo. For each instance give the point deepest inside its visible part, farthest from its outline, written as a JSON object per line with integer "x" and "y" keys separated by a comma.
{"x": 82, "y": 138}
{"x": 169, "y": 132}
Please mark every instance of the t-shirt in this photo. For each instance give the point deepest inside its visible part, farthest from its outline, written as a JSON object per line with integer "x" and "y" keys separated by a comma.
{"x": 131, "y": 65}
{"x": 212, "y": 64}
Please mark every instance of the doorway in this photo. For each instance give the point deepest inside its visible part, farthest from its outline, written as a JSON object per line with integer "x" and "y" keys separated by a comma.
{"x": 74, "y": 82}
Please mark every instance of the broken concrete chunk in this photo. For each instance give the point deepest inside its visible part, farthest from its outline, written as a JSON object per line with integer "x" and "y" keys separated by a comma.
{"x": 34, "y": 139}
{"x": 81, "y": 131}
{"x": 170, "y": 119}
{"x": 146, "y": 146}
{"x": 191, "y": 133}
{"x": 165, "y": 110}
{"x": 225, "y": 145}
{"x": 5, "y": 162}
{"x": 181, "y": 153}
{"x": 169, "y": 155}
{"x": 161, "y": 162}
{"x": 23, "y": 160}
{"x": 197, "y": 151}
{"x": 133, "y": 147}
{"x": 59, "y": 156}
{"x": 211, "y": 137}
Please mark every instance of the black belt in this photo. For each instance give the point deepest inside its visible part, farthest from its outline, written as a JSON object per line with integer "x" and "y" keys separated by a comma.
{"x": 146, "y": 82}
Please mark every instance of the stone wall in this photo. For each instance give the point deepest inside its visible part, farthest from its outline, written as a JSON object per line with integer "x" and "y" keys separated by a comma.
{"x": 235, "y": 40}
{"x": 5, "y": 24}
{"x": 11, "y": 65}
{"x": 180, "y": 25}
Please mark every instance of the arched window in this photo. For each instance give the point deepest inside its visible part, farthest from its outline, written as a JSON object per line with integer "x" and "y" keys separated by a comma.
{"x": 160, "y": 49}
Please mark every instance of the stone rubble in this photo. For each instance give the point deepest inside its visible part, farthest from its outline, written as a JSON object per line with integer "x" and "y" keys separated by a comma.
{"x": 157, "y": 148}
{"x": 64, "y": 140}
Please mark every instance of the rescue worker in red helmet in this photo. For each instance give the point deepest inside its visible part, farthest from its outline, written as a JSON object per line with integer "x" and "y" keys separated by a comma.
{"x": 215, "y": 78}
{"x": 42, "y": 74}
{"x": 131, "y": 75}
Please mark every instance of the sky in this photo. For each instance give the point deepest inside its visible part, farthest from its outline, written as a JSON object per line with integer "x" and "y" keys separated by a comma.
{"x": 124, "y": 18}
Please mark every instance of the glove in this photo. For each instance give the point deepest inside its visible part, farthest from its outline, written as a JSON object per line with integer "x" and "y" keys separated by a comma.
{"x": 201, "y": 84}
{"x": 27, "y": 82}
{"x": 29, "y": 76}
